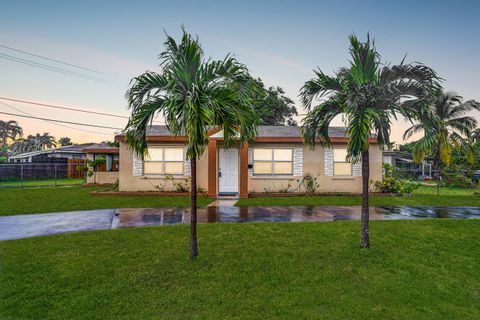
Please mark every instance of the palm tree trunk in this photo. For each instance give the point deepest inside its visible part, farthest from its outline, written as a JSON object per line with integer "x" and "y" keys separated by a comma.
{"x": 193, "y": 210}
{"x": 364, "y": 233}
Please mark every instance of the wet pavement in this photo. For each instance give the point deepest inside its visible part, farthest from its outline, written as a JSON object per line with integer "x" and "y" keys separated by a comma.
{"x": 31, "y": 225}
{"x": 24, "y": 226}
{"x": 212, "y": 214}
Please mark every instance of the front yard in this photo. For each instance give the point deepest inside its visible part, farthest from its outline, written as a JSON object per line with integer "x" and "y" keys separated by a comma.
{"x": 426, "y": 269}
{"x": 43, "y": 200}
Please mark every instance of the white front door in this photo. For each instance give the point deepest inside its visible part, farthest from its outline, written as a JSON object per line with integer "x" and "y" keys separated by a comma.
{"x": 227, "y": 170}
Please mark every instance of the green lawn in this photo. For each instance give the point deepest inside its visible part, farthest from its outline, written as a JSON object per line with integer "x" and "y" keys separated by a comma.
{"x": 42, "y": 183}
{"x": 42, "y": 200}
{"x": 425, "y": 195}
{"x": 424, "y": 269}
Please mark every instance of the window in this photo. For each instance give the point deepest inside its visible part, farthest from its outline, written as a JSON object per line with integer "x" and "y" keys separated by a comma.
{"x": 272, "y": 161}
{"x": 341, "y": 167}
{"x": 163, "y": 160}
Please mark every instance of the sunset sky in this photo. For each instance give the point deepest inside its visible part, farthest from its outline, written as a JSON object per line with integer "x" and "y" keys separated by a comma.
{"x": 279, "y": 41}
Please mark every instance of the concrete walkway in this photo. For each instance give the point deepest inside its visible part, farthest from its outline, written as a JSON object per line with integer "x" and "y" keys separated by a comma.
{"x": 31, "y": 225}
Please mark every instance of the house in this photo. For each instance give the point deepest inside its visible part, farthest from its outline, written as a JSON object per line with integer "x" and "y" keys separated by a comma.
{"x": 276, "y": 161}
{"x": 60, "y": 154}
{"x": 106, "y": 173}
{"x": 406, "y": 166}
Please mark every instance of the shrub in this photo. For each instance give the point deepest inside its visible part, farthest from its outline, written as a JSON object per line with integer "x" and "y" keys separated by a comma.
{"x": 457, "y": 180}
{"x": 392, "y": 184}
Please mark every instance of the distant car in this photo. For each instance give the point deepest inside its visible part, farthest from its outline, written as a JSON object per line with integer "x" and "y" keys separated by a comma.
{"x": 476, "y": 176}
{"x": 427, "y": 178}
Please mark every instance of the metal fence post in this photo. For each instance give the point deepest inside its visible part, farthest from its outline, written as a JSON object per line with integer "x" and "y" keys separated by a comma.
{"x": 438, "y": 182}
{"x": 21, "y": 174}
{"x": 55, "y": 175}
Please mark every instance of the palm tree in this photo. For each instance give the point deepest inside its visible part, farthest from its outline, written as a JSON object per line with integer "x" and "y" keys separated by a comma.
{"x": 65, "y": 141}
{"x": 444, "y": 123}
{"x": 368, "y": 95}
{"x": 9, "y": 130}
{"x": 191, "y": 93}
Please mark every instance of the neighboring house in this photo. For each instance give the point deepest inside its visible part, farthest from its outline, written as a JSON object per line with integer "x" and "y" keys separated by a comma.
{"x": 274, "y": 161}
{"x": 60, "y": 154}
{"x": 108, "y": 172}
{"x": 404, "y": 162}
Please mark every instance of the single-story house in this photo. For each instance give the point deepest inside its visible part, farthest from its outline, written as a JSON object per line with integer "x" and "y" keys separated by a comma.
{"x": 276, "y": 161}
{"x": 405, "y": 164}
{"x": 72, "y": 152}
{"x": 106, "y": 173}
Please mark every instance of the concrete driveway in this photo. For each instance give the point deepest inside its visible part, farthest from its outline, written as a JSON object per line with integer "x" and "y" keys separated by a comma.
{"x": 31, "y": 225}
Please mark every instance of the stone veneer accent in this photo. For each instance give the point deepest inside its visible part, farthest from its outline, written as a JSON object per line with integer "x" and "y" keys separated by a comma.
{"x": 137, "y": 165}
{"x": 328, "y": 162}
{"x": 357, "y": 169}
{"x": 297, "y": 162}
{"x": 186, "y": 164}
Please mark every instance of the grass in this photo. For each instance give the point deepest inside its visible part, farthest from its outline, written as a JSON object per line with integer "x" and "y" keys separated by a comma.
{"x": 425, "y": 195}
{"x": 42, "y": 183}
{"x": 424, "y": 269}
{"x": 43, "y": 200}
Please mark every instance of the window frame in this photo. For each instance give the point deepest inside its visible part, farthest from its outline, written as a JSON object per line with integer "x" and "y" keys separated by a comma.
{"x": 163, "y": 161}
{"x": 272, "y": 161}
{"x": 344, "y": 161}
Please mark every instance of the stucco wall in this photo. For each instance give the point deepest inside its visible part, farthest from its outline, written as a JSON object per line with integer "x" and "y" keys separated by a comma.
{"x": 314, "y": 163}
{"x": 129, "y": 182}
{"x": 103, "y": 177}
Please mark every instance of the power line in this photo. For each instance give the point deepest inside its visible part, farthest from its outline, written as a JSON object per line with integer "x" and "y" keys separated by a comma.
{"x": 54, "y": 60}
{"x": 57, "y": 124}
{"x": 63, "y": 108}
{"x": 67, "y": 108}
{"x": 50, "y": 68}
{"x": 60, "y": 121}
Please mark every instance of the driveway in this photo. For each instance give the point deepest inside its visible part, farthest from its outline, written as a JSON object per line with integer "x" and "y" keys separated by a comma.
{"x": 31, "y": 225}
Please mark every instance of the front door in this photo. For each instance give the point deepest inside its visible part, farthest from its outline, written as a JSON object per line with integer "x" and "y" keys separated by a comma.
{"x": 227, "y": 171}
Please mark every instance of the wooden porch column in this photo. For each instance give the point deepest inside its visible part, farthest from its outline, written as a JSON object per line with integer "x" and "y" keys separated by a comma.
{"x": 212, "y": 168}
{"x": 244, "y": 171}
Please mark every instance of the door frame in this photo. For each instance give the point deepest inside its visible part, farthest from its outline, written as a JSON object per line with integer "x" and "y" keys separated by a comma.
{"x": 237, "y": 153}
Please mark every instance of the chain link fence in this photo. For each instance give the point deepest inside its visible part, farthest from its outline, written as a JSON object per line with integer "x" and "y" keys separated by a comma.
{"x": 28, "y": 174}
{"x": 445, "y": 177}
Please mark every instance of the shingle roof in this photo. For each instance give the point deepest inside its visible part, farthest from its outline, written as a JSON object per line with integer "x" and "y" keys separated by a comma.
{"x": 102, "y": 146}
{"x": 75, "y": 148}
{"x": 263, "y": 131}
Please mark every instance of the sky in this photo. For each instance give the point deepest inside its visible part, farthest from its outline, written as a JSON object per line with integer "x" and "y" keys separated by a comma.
{"x": 281, "y": 42}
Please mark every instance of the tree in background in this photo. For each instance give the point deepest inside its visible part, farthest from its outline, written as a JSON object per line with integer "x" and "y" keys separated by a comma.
{"x": 445, "y": 125}
{"x": 64, "y": 141}
{"x": 9, "y": 130}
{"x": 33, "y": 143}
{"x": 191, "y": 93}
{"x": 368, "y": 94}
{"x": 272, "y": 106}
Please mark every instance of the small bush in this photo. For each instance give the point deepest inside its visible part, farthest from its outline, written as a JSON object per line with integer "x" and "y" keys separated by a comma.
{"x": 457, "y": 180}
{"x": 392, "y": 184}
